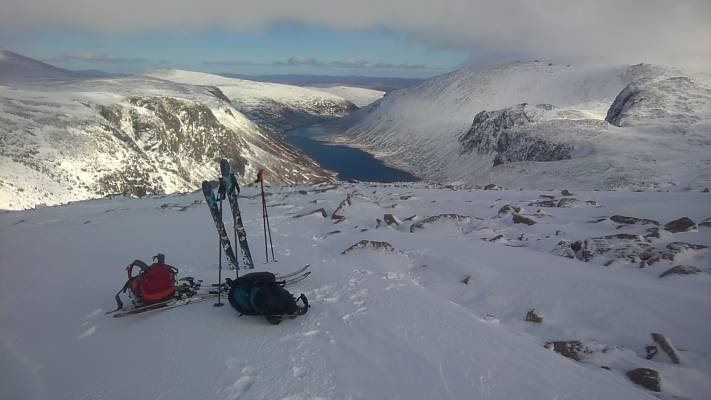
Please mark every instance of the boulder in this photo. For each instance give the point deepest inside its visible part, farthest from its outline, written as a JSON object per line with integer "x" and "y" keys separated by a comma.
{"x": 439, "y": 218}
{"x": 531, "y": 316}
{"x": 621, "y": 219}
{"x": 569, "y": 348}
{"x": 565, "y": 192}
{"x": 645, "y": 377}
{"x": 681, "y": 270}
{"x": 364, "y": 244}
{"x": 682, "y": 224}
{"x": 508, "y": 209}
{"x": 390, "y": 219}
{"x": 519, "y": 219}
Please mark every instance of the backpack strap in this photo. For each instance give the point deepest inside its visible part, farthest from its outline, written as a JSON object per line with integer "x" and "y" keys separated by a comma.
{"x": 140, "y": 264}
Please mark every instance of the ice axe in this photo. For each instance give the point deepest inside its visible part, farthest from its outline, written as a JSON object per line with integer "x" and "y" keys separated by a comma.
{"x": 265, "y": 217}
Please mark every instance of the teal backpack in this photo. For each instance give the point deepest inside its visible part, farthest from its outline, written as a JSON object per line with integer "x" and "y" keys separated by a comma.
{"x": 259, "y": 293}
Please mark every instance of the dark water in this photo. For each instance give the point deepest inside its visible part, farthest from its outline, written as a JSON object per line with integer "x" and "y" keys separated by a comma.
{"x": 348, "y": 162}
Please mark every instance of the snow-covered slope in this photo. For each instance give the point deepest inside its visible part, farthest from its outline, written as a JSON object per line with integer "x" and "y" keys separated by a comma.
{"x": 358, "y": 96}
{"x": 66, "y": 138}
{"x": 439, "y": 315}
{"x": 429, "y": 129}
{"x": 276, "y": 106}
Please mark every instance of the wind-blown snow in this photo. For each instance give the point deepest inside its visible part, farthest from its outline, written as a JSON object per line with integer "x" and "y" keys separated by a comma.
{"x": 441, "y": 315}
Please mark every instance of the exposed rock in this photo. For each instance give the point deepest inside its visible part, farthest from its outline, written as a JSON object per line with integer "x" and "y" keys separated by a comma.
{"x": 508, "y": 209}
{"x": 319, "y": 211}
{"x": 681, "y": 270}
{"x": 378, "y": 222}
{"x": 621, "y": 219}
{"x": 459, "y": 219}
{"x": 666, "y": 345}
{"x": 565, "y": 192}
{"x": 410, "y": 218}
{"x": 544, "y": 203}
{"x": 531, "y": 316}
{"x": 652, "y": 233}
{"x": 546, "y": 196}
{"x": 390, "y": 219}
{"x": 564, "y": 249}
{"x": 706, "y": 190}
{"x": 706, "y": 223}
{"x": 406, "y": 197}
{"x": 645, "y": 377}
{"x": 682, "y": 224}
{"x": 363, "y": 244}
{"x": 568, "y": 349}
{"x": 466, "y": 279}
{"x": 520, "y": 219}
{"x": 567, "y": 203}
{"x": 678, "y": 247}
{"x": 651, "y": 352}
{"x": 341, "y": 207}
{"x": 492, "y": 186}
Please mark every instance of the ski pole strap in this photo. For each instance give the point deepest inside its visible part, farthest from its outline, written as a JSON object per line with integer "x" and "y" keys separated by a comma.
{"x": 306, "y": 306}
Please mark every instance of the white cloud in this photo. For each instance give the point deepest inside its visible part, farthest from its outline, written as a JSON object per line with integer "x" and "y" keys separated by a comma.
{"x": 621, "y": 31}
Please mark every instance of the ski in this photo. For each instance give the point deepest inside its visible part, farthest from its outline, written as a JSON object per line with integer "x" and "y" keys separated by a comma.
{"x": 296, "y": 279}
{"x": 164, "y": 305}
{"x": 293, "y": 273}
{"x": 215, "y": 212}
{"x": 232, "y": 190}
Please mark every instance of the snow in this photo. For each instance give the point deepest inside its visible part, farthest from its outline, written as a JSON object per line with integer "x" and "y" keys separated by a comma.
{"x": 383, "y": 324}
{"x": 358, "y": 96}
{"x": 417, "y": 128}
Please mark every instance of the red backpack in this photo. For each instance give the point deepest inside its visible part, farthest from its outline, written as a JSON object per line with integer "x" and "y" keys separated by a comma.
{"x": 153, "y": 284}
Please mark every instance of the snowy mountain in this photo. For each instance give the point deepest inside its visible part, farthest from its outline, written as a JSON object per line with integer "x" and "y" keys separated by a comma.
{"x": 461, "y": 294}
{"x": 66, "y": 137}
{"x": 361, "y": 97}
{"x": 274, "y": 106}
{"x": 531, "y": 125}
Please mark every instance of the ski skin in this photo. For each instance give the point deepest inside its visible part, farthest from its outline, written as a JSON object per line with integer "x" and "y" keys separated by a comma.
{"x": 214, "y": 211}
{"x": 231, "y": 185}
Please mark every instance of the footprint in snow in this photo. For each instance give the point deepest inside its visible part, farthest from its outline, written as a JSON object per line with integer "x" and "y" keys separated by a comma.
{"x": 241, "y": 385}
{"x": 94, "y": 313}
{"x": 87, "y": 333}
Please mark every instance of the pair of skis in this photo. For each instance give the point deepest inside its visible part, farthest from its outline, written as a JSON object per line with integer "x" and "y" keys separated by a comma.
{"x": 228, "y": 188}
{"x": 192, "y": 297}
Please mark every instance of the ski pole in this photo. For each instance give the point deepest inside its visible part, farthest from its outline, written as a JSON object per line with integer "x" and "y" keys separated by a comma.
{"x": 269, "y": 229}
{"x": 220, "y": 197}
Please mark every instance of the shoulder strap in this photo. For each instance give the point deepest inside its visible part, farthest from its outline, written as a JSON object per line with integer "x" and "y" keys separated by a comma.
{"x": 140, "y": 264}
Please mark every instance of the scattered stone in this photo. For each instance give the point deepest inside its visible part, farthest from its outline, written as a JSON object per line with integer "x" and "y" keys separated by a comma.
{"x": 519, "y": 219}
{"x": 547, "y": 196}
{"x": 666, "y": 345}
{"x": 378, "y": 222}
{"x": 565, "y": 192}
{"x": 706, "y": 190}
{"x": 651, "y": 352}
{"x": 597, "y": 220}
{"x": 682, "y": 224}
{"x": 568, "y": 349}
{"x": 567, "y": 203}
{"x": 645, "y": 377}
{"x": 87, "y": 222}
{"x": 318, "y": 211}
{"x": 621, "y": 219}
{"x": 174, "y": 206}
{"x": 332, "y": 233}
{"x": 606, "y": 367}
{"x": 508, "y": 209}
{"x": 544, "y": 203}
{"x": 390, "y": 219}
{"x": 492, "y": 186}
{"x": 591, "y": 203}
{"x": 369, "y": 244}
{"x": 439, "y": 218}
{"x": 496, "y": 238}
{"x": 681, "y": 270}
{"x": 466, "y": 280}
{"x": 531, "y": 316}
{"x": 406, "y": 197}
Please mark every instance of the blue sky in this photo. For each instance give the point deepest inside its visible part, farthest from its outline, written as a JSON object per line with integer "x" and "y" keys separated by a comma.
{"x": 283, "y": 49}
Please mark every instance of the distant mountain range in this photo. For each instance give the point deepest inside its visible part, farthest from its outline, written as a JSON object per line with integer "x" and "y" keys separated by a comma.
{"x": 536, "y": 126}
{"x": 65, "y": 136}
{"x": 383, "y": 84}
